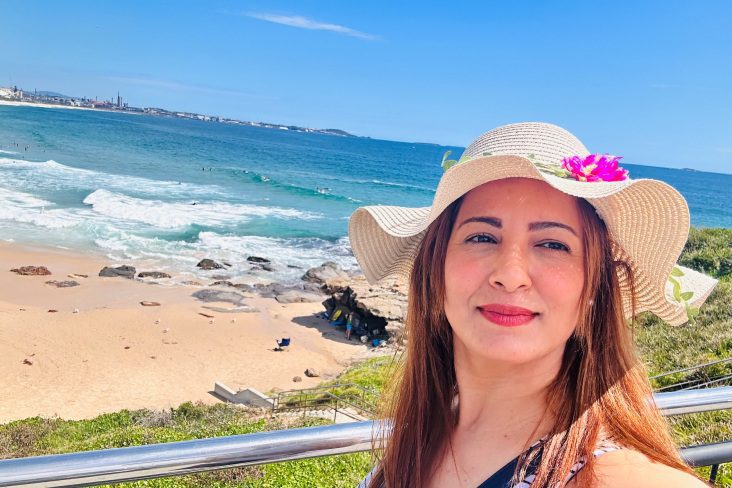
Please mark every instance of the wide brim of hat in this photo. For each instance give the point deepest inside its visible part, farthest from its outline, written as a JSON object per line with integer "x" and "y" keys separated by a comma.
{"x": 647, "y": 219}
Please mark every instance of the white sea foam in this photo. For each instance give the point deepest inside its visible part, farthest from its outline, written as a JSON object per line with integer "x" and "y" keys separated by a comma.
{"x": 42, "y": 165}
{"x": 360, "y": 181}
{"x": 290, "y": 257}
{"x": 398, "y": 185}
{"x": 303, "y": 252}
{"x": 51, "y": 174}
{"x": 22, "y": 207}
{"x": 133, "y": 228}
{"x": 177, "y": 215}
{"x": 3, "y": 151}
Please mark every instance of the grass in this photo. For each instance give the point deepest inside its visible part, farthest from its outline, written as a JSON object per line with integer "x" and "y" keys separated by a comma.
{"x": 662, "y": 348}
{"x": 37, "y": 436}
{"x": 665, "y": 348}
{"x": 361, "y": 385}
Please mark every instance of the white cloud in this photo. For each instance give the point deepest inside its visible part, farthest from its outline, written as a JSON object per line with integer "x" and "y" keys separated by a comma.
{"x": 305, "y": 23}
{"x": 176, "y": 86}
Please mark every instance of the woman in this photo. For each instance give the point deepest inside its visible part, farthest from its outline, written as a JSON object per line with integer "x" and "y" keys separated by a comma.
{"x": 520, "y": 368}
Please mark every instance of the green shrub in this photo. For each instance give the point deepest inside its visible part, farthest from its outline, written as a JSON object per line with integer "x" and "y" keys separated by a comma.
{"x": 709, "y": 251}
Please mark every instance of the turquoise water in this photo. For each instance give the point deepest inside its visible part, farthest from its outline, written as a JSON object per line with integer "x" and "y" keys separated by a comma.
{"x": 170, "y": 192}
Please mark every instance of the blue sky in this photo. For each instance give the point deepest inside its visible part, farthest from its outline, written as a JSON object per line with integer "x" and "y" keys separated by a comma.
{"x": 651, "y": 80}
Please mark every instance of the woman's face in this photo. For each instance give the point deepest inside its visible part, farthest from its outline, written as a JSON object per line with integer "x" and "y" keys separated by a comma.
{"x": 514, "y": 272}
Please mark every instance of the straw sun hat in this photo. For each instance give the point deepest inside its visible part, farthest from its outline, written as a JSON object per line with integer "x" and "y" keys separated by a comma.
{"x": 647, "y": 219}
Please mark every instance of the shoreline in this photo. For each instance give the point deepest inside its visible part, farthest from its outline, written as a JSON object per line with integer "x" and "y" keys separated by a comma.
{"x": 101, "y": 350}
{"x": 12, "y": 103}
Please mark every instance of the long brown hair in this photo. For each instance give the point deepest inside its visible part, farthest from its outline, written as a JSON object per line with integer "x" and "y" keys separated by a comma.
{"x": 601, "y": 384}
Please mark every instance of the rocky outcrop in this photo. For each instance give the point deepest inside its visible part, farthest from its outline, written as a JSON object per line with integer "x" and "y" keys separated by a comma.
{"x": 32, "y": 271}
{"x": 325, "y": 272}
{"x": 208, "y": 264}
{"x": 118, "y": 272}
{"x": 235, "y": 309}
{"x": 156, "y": 275}
{"x": 209, "y": 296}
{"x": 257, "y": 259}
{"x": 63, "y": 284}
{"x": 222, "y": 283}
{"x": 378, "y": 310}
{"x": 298, "y": 296}
{"x": 274, "y": 290}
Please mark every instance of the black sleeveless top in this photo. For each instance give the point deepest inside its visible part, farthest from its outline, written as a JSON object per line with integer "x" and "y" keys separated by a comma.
{"x": 502, "y": 477}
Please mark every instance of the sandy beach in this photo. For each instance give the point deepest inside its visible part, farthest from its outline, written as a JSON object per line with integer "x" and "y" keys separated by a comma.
{"x": 78, "y": 352}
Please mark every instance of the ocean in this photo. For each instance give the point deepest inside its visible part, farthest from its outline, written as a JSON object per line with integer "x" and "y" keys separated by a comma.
{"x": 166, "y": 193}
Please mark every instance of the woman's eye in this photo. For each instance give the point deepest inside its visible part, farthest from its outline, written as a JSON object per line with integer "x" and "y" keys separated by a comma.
{"x": 478, "y": 238}
{"x": 556, "y": 246}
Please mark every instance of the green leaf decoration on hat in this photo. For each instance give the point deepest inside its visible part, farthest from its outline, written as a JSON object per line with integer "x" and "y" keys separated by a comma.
{"x": 683, "y": 297}
{"x": 551, "y": 169}
{"x": 449, "y": 163}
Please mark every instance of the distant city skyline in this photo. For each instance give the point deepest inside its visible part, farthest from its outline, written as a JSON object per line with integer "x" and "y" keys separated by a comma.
{"x": 648, "y": 81}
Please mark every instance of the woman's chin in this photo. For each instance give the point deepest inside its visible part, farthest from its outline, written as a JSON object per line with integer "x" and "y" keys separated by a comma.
{"x": 508, "y": 351}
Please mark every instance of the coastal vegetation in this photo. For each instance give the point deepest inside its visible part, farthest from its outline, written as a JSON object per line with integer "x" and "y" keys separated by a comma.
{"x": 662, "y": 348}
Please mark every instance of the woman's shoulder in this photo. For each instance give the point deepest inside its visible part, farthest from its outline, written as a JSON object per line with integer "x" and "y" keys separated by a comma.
{"x": 627, "y": 468}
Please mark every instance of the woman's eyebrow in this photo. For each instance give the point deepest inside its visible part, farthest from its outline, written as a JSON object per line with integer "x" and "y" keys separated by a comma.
{"x": 495, "y": 222}
{"x": 549, "y": 224}
{"x": 534, "y": 226}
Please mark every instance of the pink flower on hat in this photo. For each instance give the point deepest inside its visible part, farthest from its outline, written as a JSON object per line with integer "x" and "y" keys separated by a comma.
{"x": 595, "y": 167}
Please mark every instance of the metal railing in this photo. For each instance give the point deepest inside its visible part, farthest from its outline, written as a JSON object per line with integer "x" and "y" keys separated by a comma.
{"x": 693, "y": 401}
{"x": 698, "y": 379}
{"x": 338, "y": 397}
{"x": 178, "y": 458}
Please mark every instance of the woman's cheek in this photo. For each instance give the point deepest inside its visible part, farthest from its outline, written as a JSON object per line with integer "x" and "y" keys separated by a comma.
{"x": 561, "y": 287}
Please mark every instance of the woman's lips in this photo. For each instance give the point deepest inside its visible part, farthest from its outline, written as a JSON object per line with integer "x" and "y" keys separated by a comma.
{"x": 506, "y": 315}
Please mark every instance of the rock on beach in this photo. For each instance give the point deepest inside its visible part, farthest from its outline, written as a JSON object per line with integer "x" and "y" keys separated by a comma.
{"x": 153, "y": 274}
{"x": 325, "y": 272}
{"x": 212, "y": 296}
{"x": 32, "y": 271}
{"x": 63, "y": 284}
{"x": 298, "y": 296}
{"x": 118, "y": 272}
{"x": 257, "y": 259}
{"x": 381, "y": 307}
{"x": 208, "y": 264}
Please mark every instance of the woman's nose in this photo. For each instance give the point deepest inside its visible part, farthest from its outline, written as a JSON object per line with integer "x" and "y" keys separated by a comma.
{"x": 510, "y": 271}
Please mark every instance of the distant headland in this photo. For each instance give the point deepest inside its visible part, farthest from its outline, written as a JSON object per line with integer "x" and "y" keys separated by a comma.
{"x": 17, "y": 96}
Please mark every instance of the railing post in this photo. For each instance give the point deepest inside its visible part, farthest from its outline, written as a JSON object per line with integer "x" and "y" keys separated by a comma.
{"x": 713, "y": 473}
